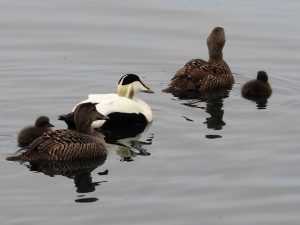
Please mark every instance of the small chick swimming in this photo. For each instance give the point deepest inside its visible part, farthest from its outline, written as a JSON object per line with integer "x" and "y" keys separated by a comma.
{"x": 29, "y": 134}
{"x": 259, "y": 88}
{"x": 82, "y": 143}
{"x": 201, "y": 75}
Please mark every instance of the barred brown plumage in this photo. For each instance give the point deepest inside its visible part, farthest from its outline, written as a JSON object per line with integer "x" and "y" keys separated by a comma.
{"x": 81, "y": 143}
{"x": 200, "y": 75}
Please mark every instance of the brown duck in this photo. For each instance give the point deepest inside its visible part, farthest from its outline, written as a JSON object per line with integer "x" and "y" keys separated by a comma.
{"x": 29, "y": 134}
{"x": 82, "y": 143}
{"x": 201, "y": 75}
{"x": 259, "y": 88}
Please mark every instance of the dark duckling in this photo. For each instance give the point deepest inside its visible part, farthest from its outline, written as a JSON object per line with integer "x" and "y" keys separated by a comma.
{"x": 29, "y": 134}
{"x": 201, "y": 75}
{"x": 259, "y": 88}
{"x": 82, "y": 143}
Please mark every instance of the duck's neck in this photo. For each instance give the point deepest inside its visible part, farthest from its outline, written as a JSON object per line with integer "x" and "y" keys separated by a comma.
{"x": 215, "y": 55}
{"x": 85, "y": 128}
{"x": 126, "y": 91}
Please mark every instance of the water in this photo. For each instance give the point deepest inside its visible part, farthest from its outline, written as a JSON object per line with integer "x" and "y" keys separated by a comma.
{"x": 218, "y": 162}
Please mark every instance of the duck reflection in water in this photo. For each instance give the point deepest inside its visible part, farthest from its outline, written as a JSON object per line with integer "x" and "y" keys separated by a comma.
{"x": 128, "y": 148}
{"x": 214, "y": 100}
{"x": 78, "y": 170}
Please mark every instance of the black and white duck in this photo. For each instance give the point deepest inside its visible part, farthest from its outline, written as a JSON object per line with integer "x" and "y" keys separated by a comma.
{"x": 124, "y": 109}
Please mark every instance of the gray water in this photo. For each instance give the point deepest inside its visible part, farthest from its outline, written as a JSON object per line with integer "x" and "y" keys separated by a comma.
{"x": 221, "y": 162}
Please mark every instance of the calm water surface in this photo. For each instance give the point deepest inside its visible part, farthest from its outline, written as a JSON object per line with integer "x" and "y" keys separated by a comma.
{"x": 219, "y": 161}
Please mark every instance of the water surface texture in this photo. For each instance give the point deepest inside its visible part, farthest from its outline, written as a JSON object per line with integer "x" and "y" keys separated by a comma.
{"x": 221, "y": 160}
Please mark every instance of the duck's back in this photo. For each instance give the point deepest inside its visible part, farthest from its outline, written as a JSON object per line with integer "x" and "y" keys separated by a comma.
{"x": 63, "y": 145}
{"x": 199, "y": 75}
{"x": 27, "y": 135}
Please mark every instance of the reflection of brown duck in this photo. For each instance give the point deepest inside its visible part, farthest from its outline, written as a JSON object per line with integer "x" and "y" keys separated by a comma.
{"x": 29, "y": 134}
{"x": 79, "y": 170}
{"x": 199, "y": 75}
{"x": 84, "y": 142}
{"x": 214, "y": 106}
{"x": 259, "y": 88}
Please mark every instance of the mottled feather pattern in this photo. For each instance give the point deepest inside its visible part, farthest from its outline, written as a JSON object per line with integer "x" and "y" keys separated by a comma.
{"x": 64, "y": 145}
{"x": 199, "y": 75}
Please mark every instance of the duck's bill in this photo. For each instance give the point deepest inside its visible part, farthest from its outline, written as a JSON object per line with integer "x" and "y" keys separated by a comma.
{"x": 105, "y": 118}
{"x": 148, "y": 91}
{"x": 51, "y": 125}
{"x": 102, "y": 117}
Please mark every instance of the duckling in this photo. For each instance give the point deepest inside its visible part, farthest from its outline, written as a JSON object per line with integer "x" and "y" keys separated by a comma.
{"x": 201, "y": 75}
{"x": 82, "y": 143}
{"x": 29, "y": 134}
{"x": 123, "y": 109}
{"x": 259, "y": 88}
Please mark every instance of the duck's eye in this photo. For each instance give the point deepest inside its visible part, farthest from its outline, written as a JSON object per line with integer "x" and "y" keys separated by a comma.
{"x": 93, "y": 110}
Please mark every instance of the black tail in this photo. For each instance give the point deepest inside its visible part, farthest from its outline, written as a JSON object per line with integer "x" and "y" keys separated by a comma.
{"x": 69, "y": 120}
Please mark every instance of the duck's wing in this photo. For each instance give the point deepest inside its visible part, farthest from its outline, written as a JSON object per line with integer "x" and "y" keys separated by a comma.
{"x": 67, "y": 145}
{"x": 119, "y": 104}
{"x": 97, "y": 98}
{"x": 189, "y": 67}
{"x": 212, "y": 75}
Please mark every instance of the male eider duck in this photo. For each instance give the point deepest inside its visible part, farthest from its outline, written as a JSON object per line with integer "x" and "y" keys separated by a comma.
{"x": 82, "y": 143}
{"x": 200, "y": 75}
{"x": 259, "y": 88}
{"x": 123, "y": 108}
{"x": 29, "y": 134}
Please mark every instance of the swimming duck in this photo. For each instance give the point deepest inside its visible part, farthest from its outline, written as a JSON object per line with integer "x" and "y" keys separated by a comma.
{"x": 259, "y": 88}
{"x": 29, "y": 134}
{"x": 201, "y": 75}
{"x": 82, "y": 143}
{"x": 123, "y": 108}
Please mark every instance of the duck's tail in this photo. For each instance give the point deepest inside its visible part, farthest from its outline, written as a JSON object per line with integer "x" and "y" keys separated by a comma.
{"x": 16, "y": 158}
{"x": 69, "y": 120}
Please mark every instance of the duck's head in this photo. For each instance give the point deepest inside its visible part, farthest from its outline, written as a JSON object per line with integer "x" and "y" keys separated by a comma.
{"x": 43, "y": 122}
{"x": 129, "y": 84}
{"x": 263, "y": 76}
{"x": 85, "y": 114}
{"x": 215, "y": 43}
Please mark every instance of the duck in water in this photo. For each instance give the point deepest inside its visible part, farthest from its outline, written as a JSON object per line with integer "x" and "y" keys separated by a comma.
{"x": 29, "y": 134}
{"x": 199, "y": 75}
{"x": 82, "y": 143}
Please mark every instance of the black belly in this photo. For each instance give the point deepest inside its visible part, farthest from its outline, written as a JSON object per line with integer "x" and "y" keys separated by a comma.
{"x": 123, "y": 125}
{"x": 119, "y": 120}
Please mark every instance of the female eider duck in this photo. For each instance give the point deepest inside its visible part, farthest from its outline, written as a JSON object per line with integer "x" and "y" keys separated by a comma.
{"x": 82, "y": 143}
{"x": 123, "y": 108}
{"x": 259, "y": 88}
{"x": 201, "y": 75}
{"x": 29, "y": 134}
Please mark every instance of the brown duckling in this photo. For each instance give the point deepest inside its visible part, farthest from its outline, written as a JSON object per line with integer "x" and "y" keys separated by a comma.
{"x": 201, "y": 75}
{"x": 29, "y": 134}
{"x": 259, "y": 88}
{"x": 82, "y": 143}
